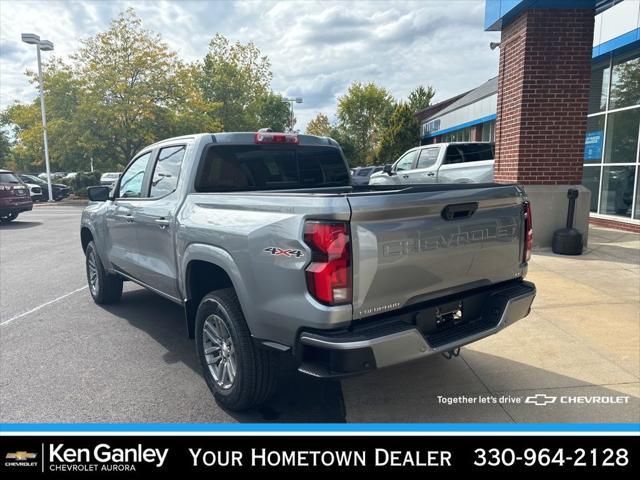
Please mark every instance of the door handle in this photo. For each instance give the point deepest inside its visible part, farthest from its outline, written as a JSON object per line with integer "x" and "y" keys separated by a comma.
{"x": 162, "y": 222}
{"x": 405, "y": 176}
{"x": 430, "y": 174}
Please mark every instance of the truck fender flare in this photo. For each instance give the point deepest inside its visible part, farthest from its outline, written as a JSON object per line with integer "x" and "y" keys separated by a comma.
{"x": 221, "y": 259}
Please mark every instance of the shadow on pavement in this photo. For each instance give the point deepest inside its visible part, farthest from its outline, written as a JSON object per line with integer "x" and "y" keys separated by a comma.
{"x": 300, "y": 398}
{"x": 18, "y": 225}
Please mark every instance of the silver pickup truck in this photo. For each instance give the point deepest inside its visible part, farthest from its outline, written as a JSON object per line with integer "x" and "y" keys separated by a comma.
{"x": 455, "y": 162}
{"x": 271, "y": 251}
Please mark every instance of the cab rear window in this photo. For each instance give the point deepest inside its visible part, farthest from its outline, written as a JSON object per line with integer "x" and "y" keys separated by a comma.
{"x": 226, "y": 168}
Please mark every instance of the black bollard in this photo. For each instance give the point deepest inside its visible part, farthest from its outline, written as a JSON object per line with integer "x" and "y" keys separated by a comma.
{"x": 568, "y": 240}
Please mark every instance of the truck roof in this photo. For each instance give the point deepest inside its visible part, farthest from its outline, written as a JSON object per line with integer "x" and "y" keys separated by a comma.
{"x": 249, "y": 138}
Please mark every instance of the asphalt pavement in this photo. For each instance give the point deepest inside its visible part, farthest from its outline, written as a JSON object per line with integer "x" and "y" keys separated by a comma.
{"x": 65, "y": 359}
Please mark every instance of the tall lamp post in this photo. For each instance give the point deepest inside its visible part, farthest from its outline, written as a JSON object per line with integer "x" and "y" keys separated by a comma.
{"x": 46, "y": 46}
{"x": 291, "y": 101}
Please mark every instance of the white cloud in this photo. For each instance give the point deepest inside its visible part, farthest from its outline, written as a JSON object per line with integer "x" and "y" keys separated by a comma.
{"x": 316, "y": 48}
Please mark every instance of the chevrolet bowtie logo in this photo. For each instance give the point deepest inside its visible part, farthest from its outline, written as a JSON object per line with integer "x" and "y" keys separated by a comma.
{"x": 21, "y": 455}
{"x": 540, "y": 399}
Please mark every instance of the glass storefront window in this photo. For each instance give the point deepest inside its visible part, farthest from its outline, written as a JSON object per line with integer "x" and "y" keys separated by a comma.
{"x": 594, "y": 139}
{"x": 488, "y": 131}
{"x": 622, "y": 136}
{"x": 599, "y": 88}
{"x": 591, "y": 180}
{"x": 617, "y": 191}
{"x": 625, "y": 82}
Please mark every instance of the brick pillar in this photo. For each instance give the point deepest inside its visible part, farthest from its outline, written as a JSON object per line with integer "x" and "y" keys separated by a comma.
{"x": 543, "y": 96}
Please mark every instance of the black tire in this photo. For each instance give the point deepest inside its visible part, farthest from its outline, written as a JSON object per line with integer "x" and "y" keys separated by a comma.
{"x": 108, "y": 287}
{"x": 10, "y": 217}
{"x": 256, "y": 369}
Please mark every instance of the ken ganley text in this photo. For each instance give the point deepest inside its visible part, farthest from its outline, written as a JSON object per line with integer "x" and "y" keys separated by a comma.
{"x": 262, "y": 457}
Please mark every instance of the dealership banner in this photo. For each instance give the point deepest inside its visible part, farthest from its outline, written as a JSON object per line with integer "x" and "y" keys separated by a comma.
{"x": 113, "y": 455}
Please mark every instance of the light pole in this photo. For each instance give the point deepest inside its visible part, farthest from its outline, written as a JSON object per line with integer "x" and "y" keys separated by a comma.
{"x": 291, "y": 101}
{"x": 46, "y": 46}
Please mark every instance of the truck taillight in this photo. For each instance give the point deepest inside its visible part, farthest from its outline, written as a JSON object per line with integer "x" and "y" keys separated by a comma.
{"x": 528, "y": 231}
{"x": 329, "y": 273}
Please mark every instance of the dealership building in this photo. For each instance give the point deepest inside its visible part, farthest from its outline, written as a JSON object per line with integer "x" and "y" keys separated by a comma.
{"x": 546, "y": 93}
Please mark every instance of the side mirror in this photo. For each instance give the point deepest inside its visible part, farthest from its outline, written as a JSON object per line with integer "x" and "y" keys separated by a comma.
{"x": 387, "y": 169}
{"x": 98, "y": 194}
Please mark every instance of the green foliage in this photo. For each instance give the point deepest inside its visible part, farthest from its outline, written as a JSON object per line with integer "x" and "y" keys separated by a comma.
{"x": 402, "y": 134}
{"x": 420, "y": 98}
{"x": 363, "y": 113}
{"x": 273, "y": 113}
{"x": 237, "y": 76}
{"x": 319, "y": 125}
{"x": 81, "y": 181}
{"x": 5, "y": 151}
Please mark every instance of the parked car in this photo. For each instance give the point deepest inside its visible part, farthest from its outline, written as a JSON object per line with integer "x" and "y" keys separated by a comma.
{"x": 459, "y": 162}
{"x": 59, "y": 190}
{"x": 109, "y": 178}
{"x": 35, "y": 190}
{"x": 14, "y": 196}
{"x": 270, "y": 250}
{"x": 361, "y": 175}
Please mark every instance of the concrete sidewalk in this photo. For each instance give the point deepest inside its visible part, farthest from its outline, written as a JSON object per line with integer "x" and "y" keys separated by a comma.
{"x": 581, "y": 340}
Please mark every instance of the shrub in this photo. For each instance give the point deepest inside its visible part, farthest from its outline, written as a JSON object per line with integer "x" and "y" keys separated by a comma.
{"x": 81, "y": 181}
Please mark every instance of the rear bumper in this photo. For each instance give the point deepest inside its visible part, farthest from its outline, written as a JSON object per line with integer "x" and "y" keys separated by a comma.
{"x": 15, "y": 205}
{"x": 397, "y": 339}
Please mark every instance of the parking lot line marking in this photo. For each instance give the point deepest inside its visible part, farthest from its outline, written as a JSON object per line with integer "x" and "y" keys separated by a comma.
{"x": 35, "y": 309}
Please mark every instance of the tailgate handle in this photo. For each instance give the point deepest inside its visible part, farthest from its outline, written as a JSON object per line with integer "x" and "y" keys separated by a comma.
{"x": 459, "y": 210}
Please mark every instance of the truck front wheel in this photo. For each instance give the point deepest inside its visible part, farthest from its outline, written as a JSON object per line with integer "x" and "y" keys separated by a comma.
{"x": 239, "y": 374}
{"x": 104, "y": 286}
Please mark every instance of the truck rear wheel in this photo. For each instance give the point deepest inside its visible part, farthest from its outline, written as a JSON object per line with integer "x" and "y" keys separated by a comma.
{"x": 239, "y": 374}
{"x": 104, "y": 287}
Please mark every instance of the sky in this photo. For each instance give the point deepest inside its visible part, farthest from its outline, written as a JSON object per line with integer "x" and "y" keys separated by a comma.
{"x": 316, "y": 48}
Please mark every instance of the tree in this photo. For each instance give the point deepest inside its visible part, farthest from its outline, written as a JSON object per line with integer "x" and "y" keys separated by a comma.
{"x": 5, "y": 150}
{"x": 363, "y": 112}
{"x": 128, "y": 76}
{"x": 121, "y": 91}
{"x": 237, "y": 76}
{"x": 420, "y": 98}
{"x": 401, "y": 134}
{"x": 319, "y": 125}
{"x": 273, "y": 112}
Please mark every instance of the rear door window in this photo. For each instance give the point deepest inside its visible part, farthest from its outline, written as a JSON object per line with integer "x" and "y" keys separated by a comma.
{"x": 428, "y": 157}
{"x": 167, "y": 170}
{"x": 259, "y": 167}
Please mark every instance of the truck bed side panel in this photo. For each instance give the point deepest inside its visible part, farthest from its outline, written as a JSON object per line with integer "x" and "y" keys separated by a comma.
{"x": 272, "y": 288}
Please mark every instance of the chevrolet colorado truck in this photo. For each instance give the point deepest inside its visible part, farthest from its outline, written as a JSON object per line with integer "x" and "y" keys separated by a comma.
{"x": 271, "y": 251}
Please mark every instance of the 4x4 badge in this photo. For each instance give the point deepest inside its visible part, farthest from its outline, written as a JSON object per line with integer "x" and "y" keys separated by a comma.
{"x": 284, "y": 252}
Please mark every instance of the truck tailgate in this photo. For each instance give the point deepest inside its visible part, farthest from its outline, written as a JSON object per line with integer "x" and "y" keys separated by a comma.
{"x": 424, "y": 242}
